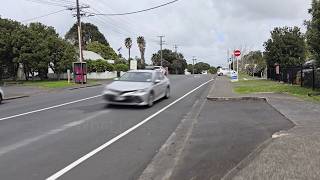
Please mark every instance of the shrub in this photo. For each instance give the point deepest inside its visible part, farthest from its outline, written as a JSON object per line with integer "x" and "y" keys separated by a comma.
{"x": 121, "y": 67}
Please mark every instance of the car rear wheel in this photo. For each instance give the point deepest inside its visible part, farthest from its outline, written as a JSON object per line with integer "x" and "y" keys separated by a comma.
{"x": 1, "y": 98}
{"x": 150, "y": 100}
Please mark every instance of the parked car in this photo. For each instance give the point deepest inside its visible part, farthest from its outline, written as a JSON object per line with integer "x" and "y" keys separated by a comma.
{"x": 1, "y": 95}
{"x": 223, "y": 71}
{"x": 138, "y": 87}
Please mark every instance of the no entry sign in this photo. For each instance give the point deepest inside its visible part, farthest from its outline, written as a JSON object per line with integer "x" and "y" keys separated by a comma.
{"x": 237, "y": 53}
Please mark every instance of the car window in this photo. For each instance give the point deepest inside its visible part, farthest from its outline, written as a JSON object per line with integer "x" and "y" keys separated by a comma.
{"x": 158, "y": 76}
{"x": 137, "y": 77}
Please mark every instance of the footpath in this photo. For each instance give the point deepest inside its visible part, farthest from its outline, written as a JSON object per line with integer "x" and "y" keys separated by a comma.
{"x": 287, "y": 155}
{"x": 229, "y": 136}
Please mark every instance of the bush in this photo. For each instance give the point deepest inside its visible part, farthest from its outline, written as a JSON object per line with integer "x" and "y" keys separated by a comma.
{"x": 99, "y": 66}
{"x": 121, "y": 67}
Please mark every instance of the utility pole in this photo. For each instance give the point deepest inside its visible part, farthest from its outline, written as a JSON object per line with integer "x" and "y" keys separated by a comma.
{"x": 193, "y": 60}
{"x": 79, "y": 31}
{"x": 161, "y": 44}
{"x": 175, "y": 48}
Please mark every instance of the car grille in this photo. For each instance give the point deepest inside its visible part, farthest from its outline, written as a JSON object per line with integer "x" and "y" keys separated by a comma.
{"x": 127, "y": 99}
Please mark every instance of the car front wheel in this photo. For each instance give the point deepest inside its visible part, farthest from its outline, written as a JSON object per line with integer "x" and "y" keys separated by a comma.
{"x": 150, "y": 100}
{"x": 167, "y": 96}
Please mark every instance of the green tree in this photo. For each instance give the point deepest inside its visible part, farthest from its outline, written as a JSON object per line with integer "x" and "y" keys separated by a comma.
{"x": 8, "y": 34}
{"x": 90, "y": 33}
{"x": 32, "y": 49}
{"x": 174, "y": 61}
{"x": 200, "y": 67}
{"x": 61, "y": 55}
{"x": 286, "y": 46}
{"x": 142, "y": 47}
{"x": 105, "y": 51}
{"x": 254, "y": 62}
{"x": 313, "y": 31}
{"x": 213, "y": 70}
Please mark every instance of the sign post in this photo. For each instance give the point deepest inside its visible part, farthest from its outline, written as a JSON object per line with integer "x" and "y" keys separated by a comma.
{"x": 235, "y": 74}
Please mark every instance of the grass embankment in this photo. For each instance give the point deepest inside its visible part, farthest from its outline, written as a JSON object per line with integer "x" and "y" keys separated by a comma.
{"x": 52, "y": 84}
{"x": 266, "y": 86}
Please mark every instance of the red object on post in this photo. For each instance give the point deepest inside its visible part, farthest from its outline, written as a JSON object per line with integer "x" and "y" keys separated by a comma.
{"x": 237, "y": 53}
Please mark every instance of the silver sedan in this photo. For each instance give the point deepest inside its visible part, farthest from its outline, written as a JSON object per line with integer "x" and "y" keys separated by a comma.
{"x": 138, "y": 87}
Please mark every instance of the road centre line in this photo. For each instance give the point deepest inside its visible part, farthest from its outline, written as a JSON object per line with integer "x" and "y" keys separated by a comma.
{"x": 48, "y": 108}
{"x": 115, "y": 139}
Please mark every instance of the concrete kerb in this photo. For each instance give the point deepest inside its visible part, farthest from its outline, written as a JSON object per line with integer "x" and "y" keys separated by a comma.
{"x": 81, "y": 87}
{"x": 15, "y": 97}
{"x": 246, "y": 161}
{"x": 237, "y": 98}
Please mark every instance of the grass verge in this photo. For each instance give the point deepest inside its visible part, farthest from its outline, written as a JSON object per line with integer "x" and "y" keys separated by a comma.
{"x": 56, "y": 84}
{"x": 266, "y": 86}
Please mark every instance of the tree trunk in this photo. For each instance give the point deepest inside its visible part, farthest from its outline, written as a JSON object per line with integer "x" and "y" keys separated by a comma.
{"x": 129, "y": 59}
{"x": 142, "y": 58}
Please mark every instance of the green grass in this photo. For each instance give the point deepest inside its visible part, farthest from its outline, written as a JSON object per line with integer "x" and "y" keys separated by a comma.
{"x": 266, "y": 86}
{"x": 49, "y": 84}
{"x": 55, "y": 84}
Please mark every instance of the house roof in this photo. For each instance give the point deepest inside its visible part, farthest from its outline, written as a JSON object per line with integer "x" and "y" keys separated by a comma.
{"x": 89, "y": 55}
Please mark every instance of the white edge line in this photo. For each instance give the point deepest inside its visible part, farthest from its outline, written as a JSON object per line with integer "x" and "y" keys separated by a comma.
{"x": 95, "y": 151}
{"x": 48, "y": 108}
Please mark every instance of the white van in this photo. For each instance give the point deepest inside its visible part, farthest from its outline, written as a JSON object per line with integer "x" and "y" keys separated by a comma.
{"x": 223, "y": 71}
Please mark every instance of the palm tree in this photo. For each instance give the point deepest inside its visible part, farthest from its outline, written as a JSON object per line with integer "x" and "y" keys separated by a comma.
{"x": 142, "y": 47}
{"x": 128, "y": 44}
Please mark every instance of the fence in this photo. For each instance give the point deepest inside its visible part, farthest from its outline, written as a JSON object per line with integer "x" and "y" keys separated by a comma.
{"x": 301, "y": 75}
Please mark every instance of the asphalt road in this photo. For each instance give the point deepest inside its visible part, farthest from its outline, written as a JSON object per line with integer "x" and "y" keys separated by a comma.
{"x": 43, "y": 134}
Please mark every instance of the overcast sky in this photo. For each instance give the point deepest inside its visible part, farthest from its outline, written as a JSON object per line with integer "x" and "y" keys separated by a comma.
{"x": 202, "y": 28}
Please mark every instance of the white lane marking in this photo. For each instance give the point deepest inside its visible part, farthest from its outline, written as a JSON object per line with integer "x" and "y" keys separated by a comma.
{"x": 48, "y": 108}
{"x": 95, "y": 151}
{"x": 51, "y": 132}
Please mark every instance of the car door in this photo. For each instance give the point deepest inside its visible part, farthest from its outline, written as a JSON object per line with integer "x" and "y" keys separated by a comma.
{"x": 159, "y": 86}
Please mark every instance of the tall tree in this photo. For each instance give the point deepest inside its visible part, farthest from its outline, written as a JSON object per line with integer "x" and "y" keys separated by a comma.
{"x": 90, "y": 33}
{"x": 174, "y": 61}
{"x": 313, "y": 31}
{"x": 286, "y": 46}
{"x": 8, "y": 34}
{"x": 128, "y": 44}
{"x": 142, "y": 47}
{"x": 61, "y": 55}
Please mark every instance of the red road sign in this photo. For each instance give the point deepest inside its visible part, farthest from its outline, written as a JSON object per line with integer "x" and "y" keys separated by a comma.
{"x": 237, "y": 53}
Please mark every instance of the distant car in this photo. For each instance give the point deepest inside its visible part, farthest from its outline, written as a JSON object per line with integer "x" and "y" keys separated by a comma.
{"x": 159, "y": 68}
{"x": 138, "y": 87}
{"x": 223, "y": 71}
{"x": 1, "y": 95}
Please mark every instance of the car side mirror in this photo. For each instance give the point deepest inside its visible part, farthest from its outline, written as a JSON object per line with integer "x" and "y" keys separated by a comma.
{"x": 157, "y": 81}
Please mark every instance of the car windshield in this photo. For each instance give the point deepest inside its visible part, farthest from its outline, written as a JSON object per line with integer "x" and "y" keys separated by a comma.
{"x": 137, "y": 77}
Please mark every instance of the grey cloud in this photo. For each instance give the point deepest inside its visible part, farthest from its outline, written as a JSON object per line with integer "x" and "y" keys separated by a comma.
{"x": 202, "y": 28}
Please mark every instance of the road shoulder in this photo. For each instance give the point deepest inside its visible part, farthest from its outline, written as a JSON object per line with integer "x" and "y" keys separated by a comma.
{"x": 291, "y": 154}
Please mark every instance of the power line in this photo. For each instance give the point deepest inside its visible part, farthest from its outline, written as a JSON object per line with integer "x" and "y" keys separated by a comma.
{"x": 42, "y": 16}
{"x": 136, "y": 12}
